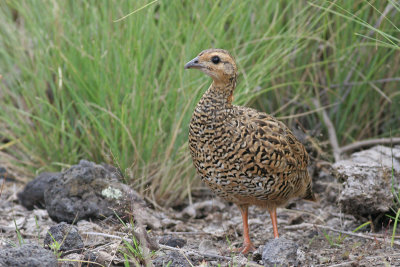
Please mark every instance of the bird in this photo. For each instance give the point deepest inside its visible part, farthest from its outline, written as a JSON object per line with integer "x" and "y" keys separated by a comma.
{"x": 244, "y": 156}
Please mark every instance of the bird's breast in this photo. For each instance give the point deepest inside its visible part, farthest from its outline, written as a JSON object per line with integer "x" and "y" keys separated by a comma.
{"x": 209, "y": 141}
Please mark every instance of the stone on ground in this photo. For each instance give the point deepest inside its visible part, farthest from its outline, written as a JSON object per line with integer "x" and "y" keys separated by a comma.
{"x": 33, "y": 193}
{"x": 31, "y": 255}
{"x": 67, "y": 236}
{"x": 280, "y": 252}
{"x": 172, "y": 241}
{"x": 368, "y": 181}
{"x": 89, "y": 191}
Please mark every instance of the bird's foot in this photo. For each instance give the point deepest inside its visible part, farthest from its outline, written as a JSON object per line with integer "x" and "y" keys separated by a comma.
{"x": 245, "y": 249}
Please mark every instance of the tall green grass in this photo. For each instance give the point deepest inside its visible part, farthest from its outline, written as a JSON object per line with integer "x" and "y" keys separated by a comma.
{"x": 76, "y": 84}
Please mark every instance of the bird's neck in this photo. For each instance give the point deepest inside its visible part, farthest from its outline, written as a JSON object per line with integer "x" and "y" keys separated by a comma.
{"x": 220, "y": 93}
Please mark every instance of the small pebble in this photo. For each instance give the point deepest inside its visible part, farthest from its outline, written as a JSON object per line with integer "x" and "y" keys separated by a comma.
{"x": 67, "y": 237}
{"x": 280, "y": 252}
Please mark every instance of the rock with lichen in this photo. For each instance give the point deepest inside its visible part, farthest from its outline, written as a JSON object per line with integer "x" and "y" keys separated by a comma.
{"x": 89, "y": 191}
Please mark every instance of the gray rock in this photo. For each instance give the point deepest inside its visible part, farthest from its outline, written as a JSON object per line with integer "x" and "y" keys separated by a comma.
{"x": 280, "y": 252}
{"x": 33, "y": 193}
{"x": 172, "y": 241}
{"x": 89, "y": 191}
{"x": 171, "y": 258}
{"x": 67, "y": 236}
{"x": 30, "y": 255}
{"x": 367, "y": 176}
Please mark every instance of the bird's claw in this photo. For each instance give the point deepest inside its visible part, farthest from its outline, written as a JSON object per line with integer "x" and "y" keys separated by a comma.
{"x": 245, "y": 249}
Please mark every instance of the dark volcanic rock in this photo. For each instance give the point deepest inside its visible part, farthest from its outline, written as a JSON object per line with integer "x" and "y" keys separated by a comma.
{"x": 33, "y": 193}
{"x": 67, "y": 236}
{"x": 367, "y": 177}
{"x": 90, "y": 257}
{"x": 88, "y": 190}
{"x": 172, "y": 241}
{"x": 31, "y": 255}
{"x": 280, "y": 252}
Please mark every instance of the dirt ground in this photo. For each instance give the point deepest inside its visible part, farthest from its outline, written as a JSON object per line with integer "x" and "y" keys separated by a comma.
{"x": 209, "y": 229}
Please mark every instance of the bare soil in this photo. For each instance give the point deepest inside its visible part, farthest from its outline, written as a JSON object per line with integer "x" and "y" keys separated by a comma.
{"x": 212, "y": 228}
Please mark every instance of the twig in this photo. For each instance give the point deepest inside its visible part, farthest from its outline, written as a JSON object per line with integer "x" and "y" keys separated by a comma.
{"x": 338, "y": 151}
{"x": 187, "y": 233}
{"x": 346, "y": 263}
{"x": 308, "y": 225}
{"x": 331, "y": 131}
{"x": 197, "y": 253}
{"x": 355, "y": 145}
{"x": 385, "y": 235}
{"x": 207, "y": 255}
{"x": 107, "y": 235}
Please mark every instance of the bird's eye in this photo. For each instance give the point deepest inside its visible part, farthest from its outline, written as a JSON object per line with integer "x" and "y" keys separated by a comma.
{"x": 215, "y": 59}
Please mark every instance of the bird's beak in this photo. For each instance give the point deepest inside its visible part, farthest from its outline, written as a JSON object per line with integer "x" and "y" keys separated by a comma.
{"x": 193, "y": 64}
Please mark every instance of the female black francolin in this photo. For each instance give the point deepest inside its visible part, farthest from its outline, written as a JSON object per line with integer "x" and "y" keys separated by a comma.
{"x": 245, "y": 156}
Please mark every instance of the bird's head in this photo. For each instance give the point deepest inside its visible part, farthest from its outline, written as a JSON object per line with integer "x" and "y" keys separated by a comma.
{"x": 216, "y": 63}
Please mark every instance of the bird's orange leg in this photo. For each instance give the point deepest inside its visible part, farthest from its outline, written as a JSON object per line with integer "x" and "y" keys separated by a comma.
{"x": 247, "y": 245}
{"x": 274, "y": 220}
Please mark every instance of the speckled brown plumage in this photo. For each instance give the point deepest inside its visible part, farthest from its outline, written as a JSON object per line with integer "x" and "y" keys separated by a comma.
{"x": 245, "y": 156}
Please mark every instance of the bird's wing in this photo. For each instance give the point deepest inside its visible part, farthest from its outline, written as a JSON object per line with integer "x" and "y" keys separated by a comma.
{"x": 267, "y": 146}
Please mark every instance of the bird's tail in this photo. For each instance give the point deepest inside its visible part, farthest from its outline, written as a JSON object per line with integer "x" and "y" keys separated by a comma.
{"x": 310, "y": 195}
